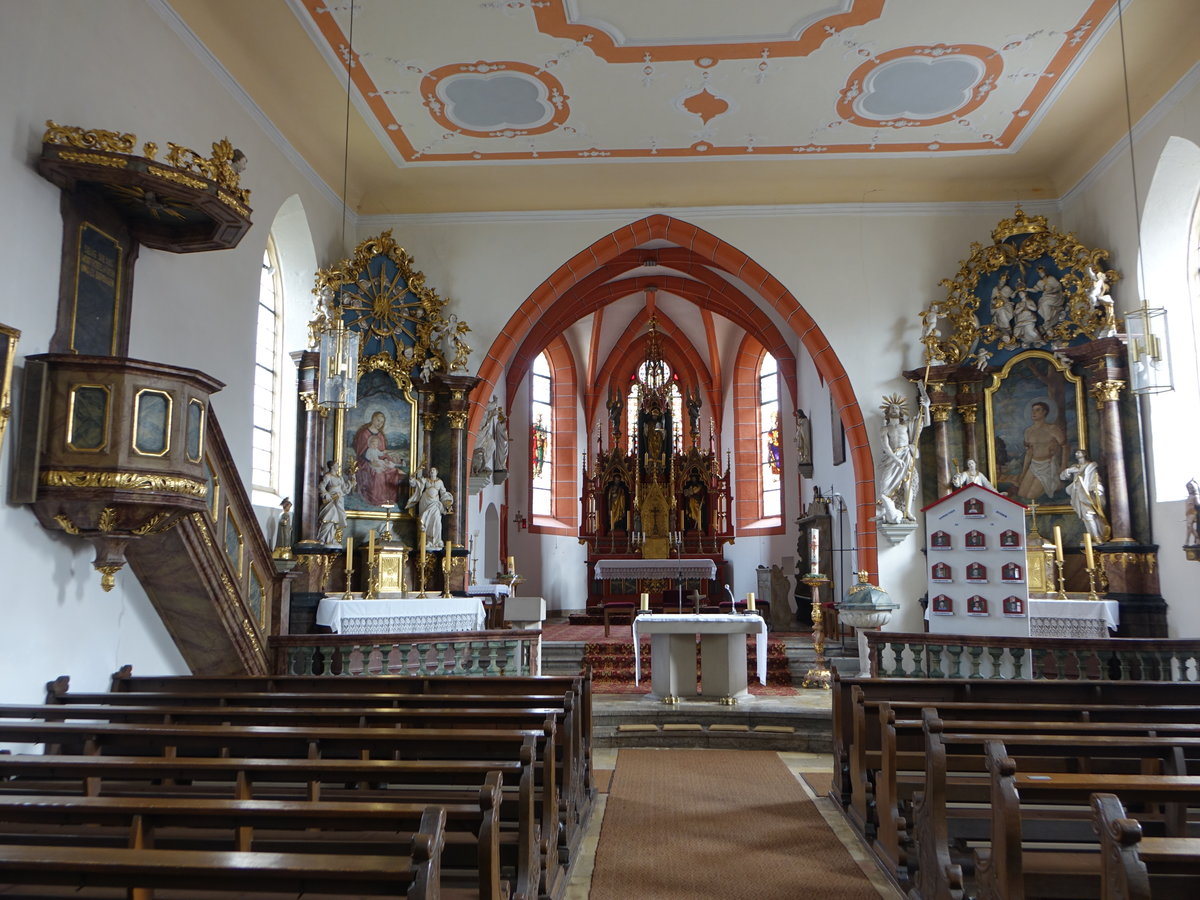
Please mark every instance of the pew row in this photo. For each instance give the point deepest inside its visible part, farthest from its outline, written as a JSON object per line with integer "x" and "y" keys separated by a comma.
{"x": 1138, "y": 868}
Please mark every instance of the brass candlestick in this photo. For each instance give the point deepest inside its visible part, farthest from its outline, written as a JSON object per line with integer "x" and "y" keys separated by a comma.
{"x": 1062, "y": 590}
{"x": 819, "y": 675}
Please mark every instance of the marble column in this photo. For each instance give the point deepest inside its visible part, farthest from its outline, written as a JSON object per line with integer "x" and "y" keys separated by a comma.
{"x": 969, "y": 413}
{"x": 310, "y": 431}
{"x": 1112, "y": 450}
{"x": 940, "y": 412}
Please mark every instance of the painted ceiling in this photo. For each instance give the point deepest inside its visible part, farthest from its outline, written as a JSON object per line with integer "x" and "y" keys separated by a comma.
{"x": 546, "y": 104}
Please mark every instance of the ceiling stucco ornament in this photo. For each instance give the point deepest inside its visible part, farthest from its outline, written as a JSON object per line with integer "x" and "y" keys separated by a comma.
{"x": 495, "y": 99}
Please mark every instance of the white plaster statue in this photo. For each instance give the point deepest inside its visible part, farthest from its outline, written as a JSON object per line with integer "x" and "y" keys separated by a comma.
{"x": 982, "y": 357}
{"x": 283, "y": 529}
{"x": 483, "y": 457}
{"x": 1051, "y": 304}
{"x": 333, "y": 488}
{"x": 970, "y": 475}
{"x": 433, "y": 501}
{"x": 897, "y": 478}
{"x": 1025, "y": 328}
{"x": 1192, "y": 514}
{"x": 1002, "y": 307}
{"x": 501, "y": 439}
{"x": 1103, "y": 301}
{"x": 1086, "y": 491}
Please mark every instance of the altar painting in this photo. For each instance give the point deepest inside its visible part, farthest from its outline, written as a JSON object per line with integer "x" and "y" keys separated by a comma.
{"x": 377, "y": 442}
{"x": 1036, "y": 419}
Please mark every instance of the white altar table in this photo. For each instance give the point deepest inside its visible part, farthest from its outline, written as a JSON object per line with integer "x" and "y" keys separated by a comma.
{"x": 681, "y": 569}
{"x": 722, "y": 653}
{"x": 400, "y": 615}
{"x": 1081, "y": 619}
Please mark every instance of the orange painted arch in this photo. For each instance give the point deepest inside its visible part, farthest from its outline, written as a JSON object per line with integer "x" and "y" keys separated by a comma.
{"x": 549, "y": 298}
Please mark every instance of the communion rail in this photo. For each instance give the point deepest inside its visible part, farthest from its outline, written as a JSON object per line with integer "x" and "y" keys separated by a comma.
{"x": 496, "y": 653}
{"x": 898, "y": 655}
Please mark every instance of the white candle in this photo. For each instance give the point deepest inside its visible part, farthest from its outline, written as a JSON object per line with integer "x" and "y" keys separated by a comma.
{"x": 1058, "y": 551}
{"x": 645, "y": 600}
{"x": 1087, "y": 550}
{"x": 512, "y": 566}
{"x": 814, "y": 551}
{"x": 370, "y": 545}
{"x": 750, "y": 601}
{"x": 349, "y": 557}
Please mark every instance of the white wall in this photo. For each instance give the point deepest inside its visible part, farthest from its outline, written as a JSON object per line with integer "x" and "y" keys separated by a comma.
{"x": 117, "y": 66}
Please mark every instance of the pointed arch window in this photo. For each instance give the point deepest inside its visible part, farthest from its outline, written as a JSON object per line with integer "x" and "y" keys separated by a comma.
{"x": 770, "y": 443}
{"x": 541, "y": 438}
{"x": 268, "y": 352}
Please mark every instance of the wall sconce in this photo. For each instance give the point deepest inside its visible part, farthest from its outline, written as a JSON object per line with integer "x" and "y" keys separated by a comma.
{"x": 1149, "y": 355}
{"x": 521, "y": 521}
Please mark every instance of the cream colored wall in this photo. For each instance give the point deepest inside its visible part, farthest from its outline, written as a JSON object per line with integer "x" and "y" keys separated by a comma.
{"x": 116, "y": 65}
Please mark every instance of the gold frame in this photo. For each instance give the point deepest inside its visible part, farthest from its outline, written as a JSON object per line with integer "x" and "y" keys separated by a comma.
{"x": 8, "y": 340}
{"x": 989, "y": 393}
{"x": 71, "y": 419}
{"x": 263, "y": 609}
{"x": 137, "y": 412}
{"x": 231, "y": 522}
{"x": 116, "y": 326}
{"x": 203, "y": 412}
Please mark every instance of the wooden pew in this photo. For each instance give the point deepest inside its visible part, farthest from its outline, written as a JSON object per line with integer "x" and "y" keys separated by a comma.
{"x": 342, "y": 781}
{"x": 876, "y": 780}
{"x": 1019, "y": 862}
{"x": 939, "y": 691}
{"x": 954, "y": 761}
{"x": 470, "y": 858}
{"x": 143, "y": 869}
{"x": 1138, "y": 868}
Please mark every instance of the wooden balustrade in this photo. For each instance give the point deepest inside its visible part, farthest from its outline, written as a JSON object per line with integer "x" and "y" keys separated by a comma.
{"x": 480, "y": 653}
{"x": 899, "y": 655}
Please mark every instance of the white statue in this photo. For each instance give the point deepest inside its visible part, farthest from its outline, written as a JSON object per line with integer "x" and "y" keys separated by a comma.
{"x": 970, "y": 475}
{"x": 1051, "y": 304}
{"x": 1002, "y": 307}
{"x": 484, "y": 455}
{"x": 501, "y": 439}
{"x": 897, "y": 478}
{"x": 1086, "y": 491}
{"x": 333, "y": 488}
{"x": 1192, "y": 513}
{"x": 433, "y": 501}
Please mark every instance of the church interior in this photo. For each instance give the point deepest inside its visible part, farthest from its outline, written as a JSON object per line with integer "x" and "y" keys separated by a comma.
{"x": 622, "y": 309}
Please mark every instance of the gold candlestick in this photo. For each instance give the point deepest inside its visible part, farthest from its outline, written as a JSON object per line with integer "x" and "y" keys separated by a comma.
{"x": 819, "y": 675}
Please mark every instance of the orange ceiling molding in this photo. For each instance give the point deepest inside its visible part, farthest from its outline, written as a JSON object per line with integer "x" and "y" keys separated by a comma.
{"x": 553, "y": 19}
{"x": 435, "y": 87}
{"x": 859, "y": 84}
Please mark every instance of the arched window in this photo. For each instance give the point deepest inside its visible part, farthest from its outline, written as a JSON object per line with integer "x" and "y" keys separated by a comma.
{"x": 770, "y": 443}
{"x": 268, "y": 353}
{"x": 633, "y": 401}
{"x": 541, "y": 417}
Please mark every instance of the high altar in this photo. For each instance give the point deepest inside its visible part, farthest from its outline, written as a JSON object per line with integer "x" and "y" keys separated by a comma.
{"x": 648, "y": 497}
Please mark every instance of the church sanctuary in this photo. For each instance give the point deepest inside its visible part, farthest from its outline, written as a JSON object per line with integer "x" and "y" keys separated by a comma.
{"x": 566, "y": 449}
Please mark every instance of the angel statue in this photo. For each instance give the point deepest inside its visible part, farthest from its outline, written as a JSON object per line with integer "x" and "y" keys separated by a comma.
{"x": 898, "y": 477}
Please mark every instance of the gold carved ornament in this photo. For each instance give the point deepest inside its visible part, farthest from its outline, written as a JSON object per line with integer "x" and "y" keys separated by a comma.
{"x": 223, "y": 168}
{"x": 1107, "y": 391}
{"x": 126, "y": 481}
{"x": 1018, "y": 244}
{"x": 395, "y": 308}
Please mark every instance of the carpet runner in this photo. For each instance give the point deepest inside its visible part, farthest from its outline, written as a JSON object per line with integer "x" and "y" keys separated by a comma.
{"x": 682, "y": 824}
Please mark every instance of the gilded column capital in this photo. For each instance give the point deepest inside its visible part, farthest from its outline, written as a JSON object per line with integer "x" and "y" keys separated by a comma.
{"x": 429, "y": 420}
{"x": 1107, "y": 391}
{"x": 969, "y": 413}
{"x": 457, "y": 419}
{"x": 940, "y": 412}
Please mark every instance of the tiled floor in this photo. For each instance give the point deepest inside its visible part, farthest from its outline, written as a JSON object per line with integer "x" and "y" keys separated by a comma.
{"x": 604, "y": 758}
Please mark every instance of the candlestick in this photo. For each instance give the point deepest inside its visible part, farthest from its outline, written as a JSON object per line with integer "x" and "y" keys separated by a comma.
{"x": 1058, "y": 551}
{"x": 1087, "y": 550}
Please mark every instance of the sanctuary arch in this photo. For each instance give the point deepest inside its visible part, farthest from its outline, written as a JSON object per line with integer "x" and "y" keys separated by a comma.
{"x": 545, "y": 300}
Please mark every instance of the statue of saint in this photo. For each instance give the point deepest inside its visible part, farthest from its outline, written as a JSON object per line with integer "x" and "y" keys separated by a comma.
{"x": 432, "y": 500}
{"x": 971, "y": 475}
{"x": 1086, "y": 491}
{"x": 333, "y": 488}
{"x": 898, "y": 477}
{"x": 283, "y": 531}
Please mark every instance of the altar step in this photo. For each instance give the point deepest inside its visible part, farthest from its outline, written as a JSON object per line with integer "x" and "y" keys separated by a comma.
{"x": 566, "y": 657}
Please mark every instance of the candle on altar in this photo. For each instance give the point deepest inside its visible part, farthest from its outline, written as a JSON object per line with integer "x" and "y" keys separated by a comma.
{"x": 1087, "y": 550}
{"x": 645, "y": 600}
{"x": 1058, "y": 551}
{"x": 512, "y": 566}
{"x": 449, "y": 555}
{"x": 370, "y": 546}
{"x": 814, "y": 551}
{"x": 750, "y": 602}
{"x": 349, "y": 556}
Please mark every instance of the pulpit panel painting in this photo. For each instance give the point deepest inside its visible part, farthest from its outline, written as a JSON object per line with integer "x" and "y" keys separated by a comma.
{"x": 377, "y": 444}
{"x": 1036, "y": 419}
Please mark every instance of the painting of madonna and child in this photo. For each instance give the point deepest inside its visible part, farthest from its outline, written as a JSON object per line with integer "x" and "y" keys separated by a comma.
{"x": 1035, "y": 427}
{"x": 377, "y": 436}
